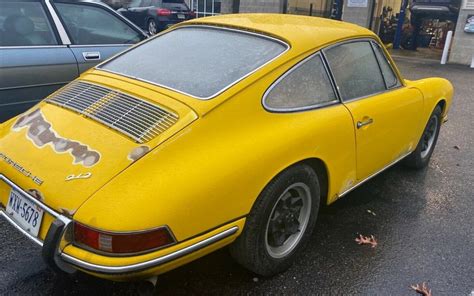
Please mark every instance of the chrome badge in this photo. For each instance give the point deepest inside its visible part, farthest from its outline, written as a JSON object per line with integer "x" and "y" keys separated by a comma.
{"x": 80, "y": 176}
{"x": 21, "y": 169}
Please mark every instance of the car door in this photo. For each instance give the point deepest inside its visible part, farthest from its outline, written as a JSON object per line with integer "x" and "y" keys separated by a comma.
{"x": 33, "y": 60}
{"x": 384, "y": 111}
{"x": 96, "y": 31}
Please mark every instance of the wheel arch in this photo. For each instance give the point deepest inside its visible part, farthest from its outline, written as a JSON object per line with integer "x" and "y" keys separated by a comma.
{"x": 321, "y": 170}
{"x": 442, "y": 103}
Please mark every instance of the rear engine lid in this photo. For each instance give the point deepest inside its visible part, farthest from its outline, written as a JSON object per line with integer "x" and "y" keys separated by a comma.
{"x": 80, "y": 137}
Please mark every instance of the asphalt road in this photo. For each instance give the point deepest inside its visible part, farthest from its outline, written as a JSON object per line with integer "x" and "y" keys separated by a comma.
{"x": 423, "y": 223}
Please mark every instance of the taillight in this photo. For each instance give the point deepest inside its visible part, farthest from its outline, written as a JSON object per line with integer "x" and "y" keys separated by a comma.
{"x": 163, "y": 12}
{"x": 111, "y": 242}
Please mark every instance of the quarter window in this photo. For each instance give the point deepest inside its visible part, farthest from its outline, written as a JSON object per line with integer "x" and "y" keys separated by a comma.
{"x": 88, "y": 24}
{"x": 304, "y": 86}
{"x": 355, "y": 69}
{"x": 390, "y": 78}
{"x": 24, "y": 24}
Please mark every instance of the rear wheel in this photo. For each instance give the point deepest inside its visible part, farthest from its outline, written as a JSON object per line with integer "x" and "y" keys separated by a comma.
{"x": 152, "y": 27}
{"x": 421, "y": 156}
{"x": 280, "y": 222}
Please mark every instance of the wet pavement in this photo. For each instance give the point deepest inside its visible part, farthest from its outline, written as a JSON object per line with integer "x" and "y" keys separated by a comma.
{"x": 423, "y": 221}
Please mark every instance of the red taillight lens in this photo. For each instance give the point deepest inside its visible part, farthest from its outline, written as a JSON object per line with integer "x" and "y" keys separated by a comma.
{"x": 122, "y": 242}
{"x": 163, "y": 12}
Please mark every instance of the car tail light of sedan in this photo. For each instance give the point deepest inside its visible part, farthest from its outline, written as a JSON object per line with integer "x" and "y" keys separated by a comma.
{"x": 122, "y": 243}
{"x": 163, "y": 12}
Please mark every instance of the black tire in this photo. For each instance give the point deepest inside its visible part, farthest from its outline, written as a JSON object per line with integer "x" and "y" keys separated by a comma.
{"x": 420, "y": 157}
{"x": 152, "y": 24}
{"x": 253, "y": 248}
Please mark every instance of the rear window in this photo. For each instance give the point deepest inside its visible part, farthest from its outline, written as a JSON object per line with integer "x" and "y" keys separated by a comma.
{"x": 198, "y": 61}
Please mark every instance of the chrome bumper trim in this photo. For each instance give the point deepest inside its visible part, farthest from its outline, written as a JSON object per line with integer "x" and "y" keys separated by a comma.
{"x": 44, "y": 207}
{"x": 151, "y": 263}
{"x": 65, "y": 261}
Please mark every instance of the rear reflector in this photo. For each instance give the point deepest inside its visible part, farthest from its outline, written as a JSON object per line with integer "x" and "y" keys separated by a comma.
{"x": 121, "y": 243}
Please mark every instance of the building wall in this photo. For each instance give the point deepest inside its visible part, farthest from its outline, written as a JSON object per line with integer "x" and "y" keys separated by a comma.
{"x": 462, "y": 48}
{"x": 227, "y": 6}
{"x": 270, "y": 6}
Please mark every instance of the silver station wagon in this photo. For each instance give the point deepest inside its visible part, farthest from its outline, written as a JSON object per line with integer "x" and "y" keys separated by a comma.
{"x": 45, "y": 44}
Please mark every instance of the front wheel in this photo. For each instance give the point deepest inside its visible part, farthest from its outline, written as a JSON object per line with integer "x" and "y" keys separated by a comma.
{"x": 280, "y": 222}
{"x": 420, "y": 158}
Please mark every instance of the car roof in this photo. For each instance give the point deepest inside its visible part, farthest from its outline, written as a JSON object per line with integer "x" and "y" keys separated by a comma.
{"x": 302, "y": 32}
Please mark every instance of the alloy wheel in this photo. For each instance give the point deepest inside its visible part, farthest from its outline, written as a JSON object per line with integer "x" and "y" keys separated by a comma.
{"x": 288, "y": 220}
{"x": 429, "y": 136}
{"x": 152, "y": 29}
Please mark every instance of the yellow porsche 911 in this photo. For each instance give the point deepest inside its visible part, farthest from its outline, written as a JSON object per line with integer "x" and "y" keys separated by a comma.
{"x": 228, "y": 130}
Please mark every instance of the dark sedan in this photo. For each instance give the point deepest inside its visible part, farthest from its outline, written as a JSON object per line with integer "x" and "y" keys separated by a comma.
{"x": 156, "y": 15}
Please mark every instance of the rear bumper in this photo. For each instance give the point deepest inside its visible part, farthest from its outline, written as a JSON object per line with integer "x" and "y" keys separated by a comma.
{"x": 54, "y": 244}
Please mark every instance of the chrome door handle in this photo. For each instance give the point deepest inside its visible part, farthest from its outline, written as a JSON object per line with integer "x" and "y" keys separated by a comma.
{"x": 364, "y": 123}
{"x": 91, "y": 55}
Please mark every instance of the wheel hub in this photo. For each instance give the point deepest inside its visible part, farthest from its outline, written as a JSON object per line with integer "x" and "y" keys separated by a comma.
{"x": 288, "y": 220}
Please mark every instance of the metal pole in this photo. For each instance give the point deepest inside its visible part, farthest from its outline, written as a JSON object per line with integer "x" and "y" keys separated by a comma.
{"x": 311, "y": 9}
{"x": 447, "y": 44}
{"x": 401, "y": 18}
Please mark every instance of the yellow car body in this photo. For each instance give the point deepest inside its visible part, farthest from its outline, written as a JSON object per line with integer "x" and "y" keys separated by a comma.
{"x": 201, "y": 177}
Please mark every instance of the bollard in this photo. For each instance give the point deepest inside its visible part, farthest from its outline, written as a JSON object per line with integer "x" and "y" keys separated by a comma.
{"x": 447, "y": 44}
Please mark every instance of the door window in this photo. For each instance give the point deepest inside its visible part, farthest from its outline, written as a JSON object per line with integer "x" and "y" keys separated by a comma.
{"x": 391, "y": 80}
{"x": 304, "y": 86}
{"x": 355, "y": 69}
{"x": 24, "y": 24}
{"x": 88, "y": 24}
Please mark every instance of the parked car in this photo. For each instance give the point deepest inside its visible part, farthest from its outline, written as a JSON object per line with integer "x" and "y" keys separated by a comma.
{"x": 155, "y": 157}
{"x": 46, "y": 44}
{"x": 156, "y": 15}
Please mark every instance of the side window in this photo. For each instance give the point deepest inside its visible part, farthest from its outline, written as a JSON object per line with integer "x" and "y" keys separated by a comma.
{"x": 355, "y": 69}
{"x": 88, "y": 24}
{"x": 304, "y": 86}
{"x": 24, "y": 24}
{"x": 391, "y": 79}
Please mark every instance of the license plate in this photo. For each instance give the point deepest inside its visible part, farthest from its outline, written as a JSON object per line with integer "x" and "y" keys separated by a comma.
{"x": 24, "y": 212}
{"x": 181, "y": 16}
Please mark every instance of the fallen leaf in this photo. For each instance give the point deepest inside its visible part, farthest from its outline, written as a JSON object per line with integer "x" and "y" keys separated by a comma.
{"x": 365, "y": 240}
{"x": 423, "y": 289}
{"x": 371, "y": 212}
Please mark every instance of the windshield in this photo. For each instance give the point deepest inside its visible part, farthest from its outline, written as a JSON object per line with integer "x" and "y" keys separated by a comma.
{"x": 198, "y": 61}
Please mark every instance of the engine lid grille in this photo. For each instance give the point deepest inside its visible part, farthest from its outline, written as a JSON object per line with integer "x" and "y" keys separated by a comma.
{"x": 136, "y": 118}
